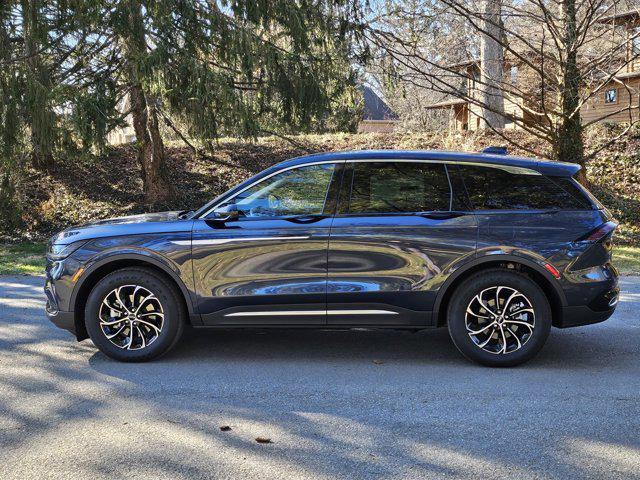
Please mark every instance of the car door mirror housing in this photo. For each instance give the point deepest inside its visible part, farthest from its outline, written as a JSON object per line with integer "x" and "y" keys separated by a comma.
{"x": 226, "y": 213}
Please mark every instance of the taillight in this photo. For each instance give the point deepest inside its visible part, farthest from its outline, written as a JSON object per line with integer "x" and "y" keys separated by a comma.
{"x": 599, "y": 233}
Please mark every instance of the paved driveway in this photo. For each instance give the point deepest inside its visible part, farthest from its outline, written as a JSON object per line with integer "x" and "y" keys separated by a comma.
{"x": 418, "y": 411}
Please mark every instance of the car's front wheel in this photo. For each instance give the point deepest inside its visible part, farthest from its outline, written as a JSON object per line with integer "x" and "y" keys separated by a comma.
{"x": 134, "y": 315}
{"x": 499, "y": 318}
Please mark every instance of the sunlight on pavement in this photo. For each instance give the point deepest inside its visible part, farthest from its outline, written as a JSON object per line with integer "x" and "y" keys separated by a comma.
{"x": 604, "y": 457}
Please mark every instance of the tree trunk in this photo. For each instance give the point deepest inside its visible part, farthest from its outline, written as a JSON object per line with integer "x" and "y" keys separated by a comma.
{"x": 40, "y": 116}
{"x": 569, "y": 145}
{"x": 151, "y": 158}
{"x": 492, "y": 66}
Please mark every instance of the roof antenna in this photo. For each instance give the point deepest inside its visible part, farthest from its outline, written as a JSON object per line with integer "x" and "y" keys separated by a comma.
{"x": 495, "y": 150}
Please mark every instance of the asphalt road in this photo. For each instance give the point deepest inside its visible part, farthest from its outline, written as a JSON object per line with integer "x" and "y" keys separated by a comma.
{"x": 350, "y": 404}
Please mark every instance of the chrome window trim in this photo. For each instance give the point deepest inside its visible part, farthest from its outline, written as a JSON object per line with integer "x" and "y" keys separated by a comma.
{"x": 507, "y": 168}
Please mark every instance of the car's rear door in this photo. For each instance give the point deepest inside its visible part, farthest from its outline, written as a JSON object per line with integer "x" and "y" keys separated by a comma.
{"x": 397, "y": 234}
{"x": 269, "y": 266}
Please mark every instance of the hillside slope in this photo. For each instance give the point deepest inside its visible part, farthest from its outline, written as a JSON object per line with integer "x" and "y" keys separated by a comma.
{"x": 83, "y": 189}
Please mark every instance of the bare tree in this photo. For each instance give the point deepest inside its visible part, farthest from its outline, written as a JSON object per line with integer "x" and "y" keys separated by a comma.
{"x": 562, "y": 57}
{"x": 492, "y": 65}
{"x": 422, "y": 27}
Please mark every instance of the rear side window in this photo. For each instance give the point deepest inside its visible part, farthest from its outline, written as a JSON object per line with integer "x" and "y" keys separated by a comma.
{"x": 397, "y": 187}
{"x": 496, "y": 189}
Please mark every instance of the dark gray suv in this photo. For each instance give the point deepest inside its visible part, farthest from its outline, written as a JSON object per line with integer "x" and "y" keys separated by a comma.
{"x": 496, "y": 248}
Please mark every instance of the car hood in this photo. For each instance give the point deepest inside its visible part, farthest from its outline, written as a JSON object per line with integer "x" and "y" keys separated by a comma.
{"x": 143, "y": 218}
{"x": 160, "y": 222}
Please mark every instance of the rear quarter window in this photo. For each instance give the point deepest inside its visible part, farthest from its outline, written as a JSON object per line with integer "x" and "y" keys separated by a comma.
{"x": 492, "y": 188}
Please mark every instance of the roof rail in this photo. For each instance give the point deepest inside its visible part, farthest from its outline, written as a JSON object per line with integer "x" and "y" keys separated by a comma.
{"x": 495, "y": 150}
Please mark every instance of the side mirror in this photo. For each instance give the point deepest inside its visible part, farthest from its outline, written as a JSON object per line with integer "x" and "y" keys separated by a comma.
{"x": 226, "y": 213}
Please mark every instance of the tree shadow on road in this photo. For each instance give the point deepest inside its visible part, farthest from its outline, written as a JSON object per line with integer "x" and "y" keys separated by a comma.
{"x": 420, "y": 410}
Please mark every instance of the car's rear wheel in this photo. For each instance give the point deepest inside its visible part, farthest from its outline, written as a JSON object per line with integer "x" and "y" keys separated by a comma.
{"x": 134, "y": 315}
{"x": 499, "y": 318}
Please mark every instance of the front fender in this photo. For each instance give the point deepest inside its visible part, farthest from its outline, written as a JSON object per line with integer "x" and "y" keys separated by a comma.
{"x": 137, "y": 257}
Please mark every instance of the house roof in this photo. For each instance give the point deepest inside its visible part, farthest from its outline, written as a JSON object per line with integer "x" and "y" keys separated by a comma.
{"x": 374, "y": 107}
{"x": 448, "y": 103}
{"x": 622, "y": 17}
{"x": 465, "y": 63}
{"x": 627, "y": 75}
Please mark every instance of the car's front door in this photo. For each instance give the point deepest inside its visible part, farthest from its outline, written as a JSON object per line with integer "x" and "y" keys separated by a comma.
{"x": 398, "y": 231}
{"x": 268, "y": 266}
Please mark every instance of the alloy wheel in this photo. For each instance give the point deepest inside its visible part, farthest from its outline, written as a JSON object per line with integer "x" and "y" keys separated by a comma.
{"x": 131, "y": 317}
{"x": 500, "y": 320}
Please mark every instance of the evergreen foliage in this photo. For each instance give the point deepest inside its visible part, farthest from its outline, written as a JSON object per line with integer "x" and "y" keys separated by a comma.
{"x": 73, "y": 70}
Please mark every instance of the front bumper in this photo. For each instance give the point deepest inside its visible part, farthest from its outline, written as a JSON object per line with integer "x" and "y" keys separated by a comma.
{"x": 55, "y": 306}
{"x": 64, "y": 320}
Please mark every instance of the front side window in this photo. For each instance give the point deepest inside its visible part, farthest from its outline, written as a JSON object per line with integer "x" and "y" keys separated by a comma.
{"x": 398, "y": 187}
{"x": 496, "y": 189}
{"x": 295, "y": 192}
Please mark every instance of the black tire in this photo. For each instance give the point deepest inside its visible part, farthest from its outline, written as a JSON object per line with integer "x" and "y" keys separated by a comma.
{"x": 532, "y": 341}
{"x": 171, "y": 303}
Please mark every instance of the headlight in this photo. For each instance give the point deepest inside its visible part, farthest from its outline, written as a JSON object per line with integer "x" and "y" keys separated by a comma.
{"x": 59, "y": 252}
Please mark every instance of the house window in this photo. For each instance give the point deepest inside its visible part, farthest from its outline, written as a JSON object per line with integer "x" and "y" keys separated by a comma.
{"x": 611, "y": 96}
{"x": 635, "y": 42}
{"x": 514, "y": 75}
{"x": 475, "y": 77}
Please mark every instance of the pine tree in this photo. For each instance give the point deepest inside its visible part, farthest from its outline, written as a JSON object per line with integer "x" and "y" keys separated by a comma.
{"x": 211, "y": 67}
{"x": 144, "y": 103}
{"x": 236, "y": 68}
{"x": 38, "y": 85}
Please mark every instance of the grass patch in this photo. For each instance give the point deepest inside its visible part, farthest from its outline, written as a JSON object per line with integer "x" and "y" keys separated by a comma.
{"x": 627, "y": 259}
{"x": 22, "y": 259}
{"x": 28, "y": 259}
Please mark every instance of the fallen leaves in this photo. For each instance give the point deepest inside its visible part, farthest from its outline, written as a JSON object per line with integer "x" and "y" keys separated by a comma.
{"x": 227, "y": 428}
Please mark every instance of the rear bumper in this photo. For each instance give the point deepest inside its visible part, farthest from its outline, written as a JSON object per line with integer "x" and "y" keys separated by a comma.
{"x": 598, "y": 310}
{"x": 592, "y": 296}
{"x": 581, "y": 315}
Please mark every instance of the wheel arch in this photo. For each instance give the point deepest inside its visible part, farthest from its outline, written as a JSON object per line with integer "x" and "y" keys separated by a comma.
{"x": 110, "y": 264}
{"x": 535, "y": 271}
